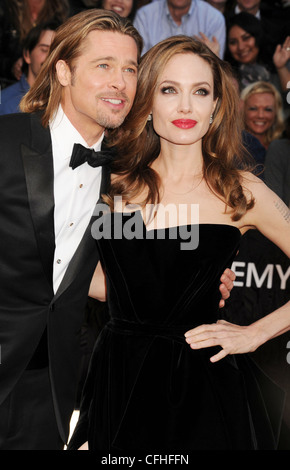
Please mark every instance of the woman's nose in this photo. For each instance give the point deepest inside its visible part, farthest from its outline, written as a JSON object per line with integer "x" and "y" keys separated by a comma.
{"x": 185, "y": 104}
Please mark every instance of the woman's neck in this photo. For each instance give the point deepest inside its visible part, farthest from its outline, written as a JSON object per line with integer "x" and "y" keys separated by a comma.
{"x": 180, "y": 171}
{"x": 179, "y": 162}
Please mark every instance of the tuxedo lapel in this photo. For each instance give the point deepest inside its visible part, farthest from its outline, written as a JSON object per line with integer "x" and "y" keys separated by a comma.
{"x": 38, "y": 168}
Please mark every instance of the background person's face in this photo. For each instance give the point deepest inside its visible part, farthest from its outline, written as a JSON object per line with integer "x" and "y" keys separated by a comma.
{"x": 260, "y": 113}
{"x": 179, "y": 4}
{"x": 122, "y": 7}
{"x": 37, "y": 56}
{"x": 242, "y": 45}
{"x": 249, "y": 5}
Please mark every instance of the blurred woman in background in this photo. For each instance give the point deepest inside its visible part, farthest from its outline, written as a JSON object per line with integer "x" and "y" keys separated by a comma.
{"x": 263, "y": 115}
{"x": 245, "y": 53}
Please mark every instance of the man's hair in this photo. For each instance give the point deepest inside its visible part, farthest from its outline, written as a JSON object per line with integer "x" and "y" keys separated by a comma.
{"x": 32, "y": 38}
{"x": 45, "y": 94}
{"x": 34, "y": 35}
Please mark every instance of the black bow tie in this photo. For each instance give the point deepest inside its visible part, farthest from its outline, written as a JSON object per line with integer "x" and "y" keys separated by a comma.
{"x": 81, "y": 154}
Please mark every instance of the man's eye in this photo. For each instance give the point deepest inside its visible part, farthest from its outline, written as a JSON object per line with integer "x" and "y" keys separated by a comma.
{"x": 102, "y": 66}
{"x": 130, "y": 70}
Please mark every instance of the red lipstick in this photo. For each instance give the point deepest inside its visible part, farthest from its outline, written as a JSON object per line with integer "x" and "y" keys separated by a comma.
{"x": 184, "y": 123}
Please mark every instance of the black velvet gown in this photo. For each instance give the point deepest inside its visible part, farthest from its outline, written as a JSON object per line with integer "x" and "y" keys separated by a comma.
{"x": 147, "y": 390}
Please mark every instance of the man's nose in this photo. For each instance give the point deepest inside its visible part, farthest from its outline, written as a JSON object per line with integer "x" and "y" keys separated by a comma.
{"x": 117, "y": 80}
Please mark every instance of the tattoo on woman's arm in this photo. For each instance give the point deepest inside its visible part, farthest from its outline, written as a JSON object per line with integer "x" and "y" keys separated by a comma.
{"x": 283, "y": 209}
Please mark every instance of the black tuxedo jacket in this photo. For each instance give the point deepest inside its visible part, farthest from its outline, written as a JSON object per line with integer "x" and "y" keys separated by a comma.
{"x": 28, "y": 305}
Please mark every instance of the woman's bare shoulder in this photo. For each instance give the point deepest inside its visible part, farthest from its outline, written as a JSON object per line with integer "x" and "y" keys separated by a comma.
{"x": 252, "y": 185}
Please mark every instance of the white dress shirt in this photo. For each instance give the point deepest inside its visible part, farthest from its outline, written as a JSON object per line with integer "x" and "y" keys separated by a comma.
{"x": 75, "y": 193}
{"x": 238, "y": 10}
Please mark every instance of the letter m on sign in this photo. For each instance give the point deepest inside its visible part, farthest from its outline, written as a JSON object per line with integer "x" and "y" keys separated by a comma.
{"x": 267, "y": 273}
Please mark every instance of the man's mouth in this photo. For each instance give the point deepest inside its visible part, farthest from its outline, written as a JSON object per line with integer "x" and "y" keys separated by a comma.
{"x": 113, "y": 100}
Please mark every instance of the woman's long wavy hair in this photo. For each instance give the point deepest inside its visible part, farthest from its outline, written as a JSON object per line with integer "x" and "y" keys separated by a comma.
{"x": 45, "y": 94}
{"x": 52, "y": 10}
{"x": 276, "y": 130}
{"x": 138, "y": 145}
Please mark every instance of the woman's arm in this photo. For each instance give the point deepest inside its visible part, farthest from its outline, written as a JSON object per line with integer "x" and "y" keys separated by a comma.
{"x": 235, "y": 339}
{"x": 272, "y": 218}
{"x": 97, "y": 288}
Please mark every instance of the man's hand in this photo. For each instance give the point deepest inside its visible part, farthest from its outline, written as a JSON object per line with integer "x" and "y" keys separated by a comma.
{"x": 227, "y": 283}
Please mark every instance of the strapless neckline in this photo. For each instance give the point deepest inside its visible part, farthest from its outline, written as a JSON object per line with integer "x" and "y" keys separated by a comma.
{"x": 204, "y": 224}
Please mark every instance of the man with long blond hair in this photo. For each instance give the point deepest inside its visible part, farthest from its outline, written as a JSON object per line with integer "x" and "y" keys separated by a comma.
{"x": 87, "y": 84}
{"x": 48, "y": 255}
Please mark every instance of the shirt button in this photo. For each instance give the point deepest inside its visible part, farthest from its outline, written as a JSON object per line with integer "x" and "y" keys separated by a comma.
{"x": 71, "y": 224}
{"x": 81, "y": 185}
{"x": 58, "y": 261}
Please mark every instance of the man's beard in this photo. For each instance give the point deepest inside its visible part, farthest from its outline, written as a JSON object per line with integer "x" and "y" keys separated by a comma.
{"x": 109, "y": 122}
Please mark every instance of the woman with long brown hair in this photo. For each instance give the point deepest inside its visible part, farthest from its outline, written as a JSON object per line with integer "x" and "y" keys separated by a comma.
{"x": 170, "y": 223}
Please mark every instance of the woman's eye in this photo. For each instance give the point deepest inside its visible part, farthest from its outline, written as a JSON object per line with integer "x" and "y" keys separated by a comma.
{"x": 168, "y": 90}
{"x": 202, "y": 92}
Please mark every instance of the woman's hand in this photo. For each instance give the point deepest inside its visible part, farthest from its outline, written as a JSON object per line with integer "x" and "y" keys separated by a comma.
{"x": 280, "y": 58}
{"x": 282, "y": 54}
{"x": 233, "y": 339}
{"x": 213, "y": 44}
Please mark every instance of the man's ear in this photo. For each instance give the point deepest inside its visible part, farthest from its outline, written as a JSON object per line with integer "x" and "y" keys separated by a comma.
{"x": 26, "y": 56}
{"x": 63, "y": 73}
